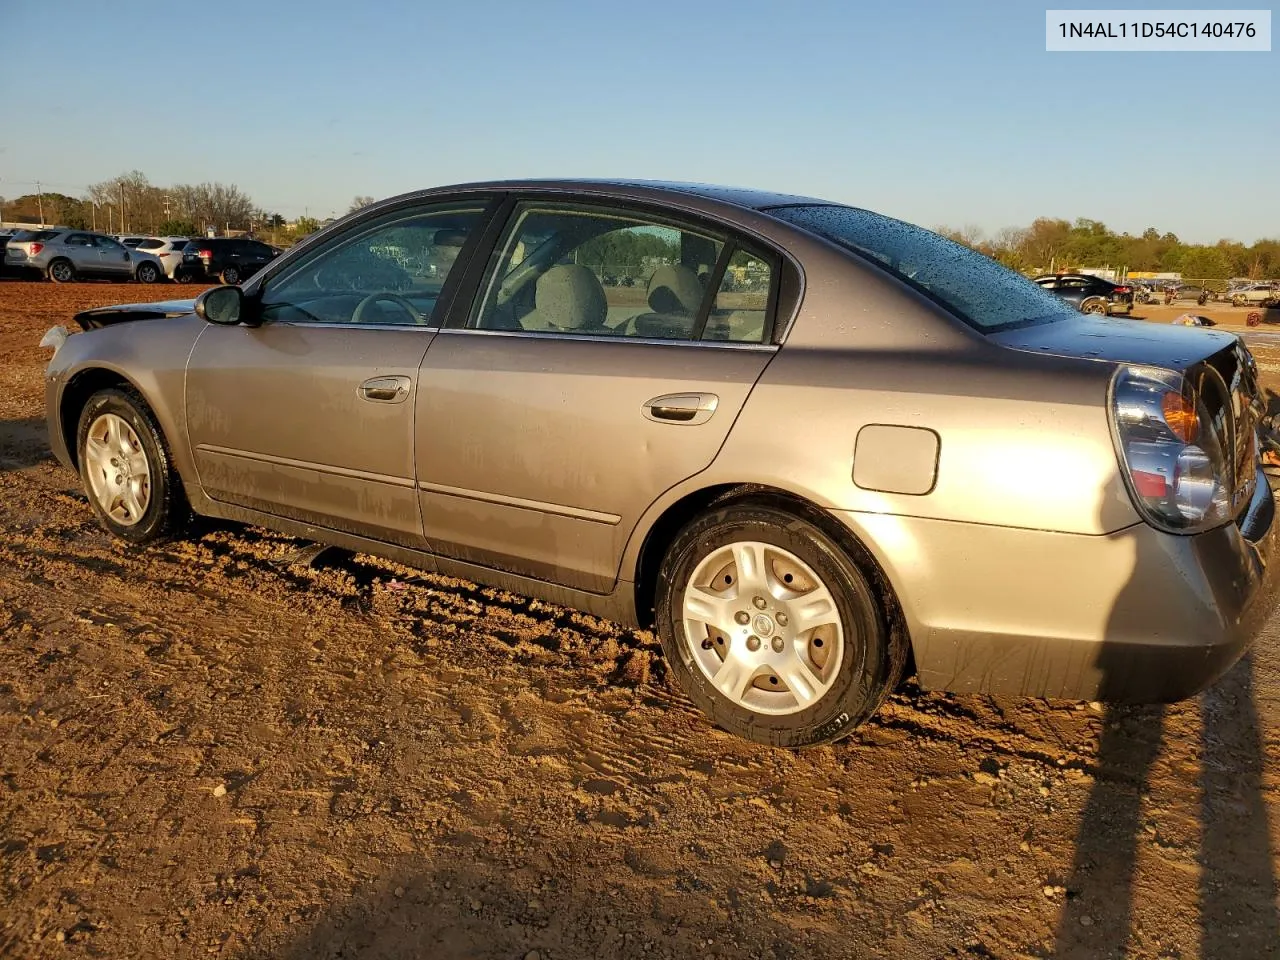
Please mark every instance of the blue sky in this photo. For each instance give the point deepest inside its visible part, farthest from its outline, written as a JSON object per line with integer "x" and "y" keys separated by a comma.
{"x": 939, "y": 113}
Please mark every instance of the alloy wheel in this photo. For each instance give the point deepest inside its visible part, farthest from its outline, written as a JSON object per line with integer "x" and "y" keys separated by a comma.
{"x": 118, "y": 471}
{"x": 763, "y": 628}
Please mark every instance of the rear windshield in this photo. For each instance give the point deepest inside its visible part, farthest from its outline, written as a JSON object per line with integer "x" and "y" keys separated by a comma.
{"x": 983, "y": 293}
{"x": 38, "y": 235}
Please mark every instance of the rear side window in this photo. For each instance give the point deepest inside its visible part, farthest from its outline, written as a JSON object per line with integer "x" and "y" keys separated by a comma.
{"x": 40, "y": 236}
{"x": 151, "y": 244}
{"x": 973, "y": 287}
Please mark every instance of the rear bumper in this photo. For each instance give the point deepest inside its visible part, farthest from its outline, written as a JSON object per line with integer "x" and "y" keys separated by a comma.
{"x": 1133, "y": 616}
{"x": 1120, "y": 307}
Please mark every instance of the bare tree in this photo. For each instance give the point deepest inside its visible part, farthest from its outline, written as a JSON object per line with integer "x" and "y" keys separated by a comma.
{"x": 359, "y": 203}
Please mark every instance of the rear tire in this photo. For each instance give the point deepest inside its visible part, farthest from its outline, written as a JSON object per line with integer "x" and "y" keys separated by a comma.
{"x": 230, "y": 276}
{"x": 770, "y": 679}
{"x": 1093, "y": 307}
{"x": 127, "y": 469}
{"x": 61, "y": 271}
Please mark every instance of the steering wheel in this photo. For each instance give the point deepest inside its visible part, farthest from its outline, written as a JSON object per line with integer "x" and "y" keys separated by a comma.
{"x": 399, "y": 301}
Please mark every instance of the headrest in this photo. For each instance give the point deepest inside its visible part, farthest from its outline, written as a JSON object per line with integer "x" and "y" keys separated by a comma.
{"x": 674, "y": 289}
{"x": 570, "y": 297}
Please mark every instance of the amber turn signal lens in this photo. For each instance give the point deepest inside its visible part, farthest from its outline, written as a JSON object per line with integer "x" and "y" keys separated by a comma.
{"x": 1180, "y": 415}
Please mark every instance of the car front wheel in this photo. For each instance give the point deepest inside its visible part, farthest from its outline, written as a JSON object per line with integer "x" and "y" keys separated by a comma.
{"x": 148, "y": 273}
{"x": 127, "y": 469}
{"x": 1094, "y": 307}
{"x": 772, "y": 629}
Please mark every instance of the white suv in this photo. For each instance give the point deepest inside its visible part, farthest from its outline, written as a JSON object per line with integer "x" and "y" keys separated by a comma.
{"x": 168, "y": 249}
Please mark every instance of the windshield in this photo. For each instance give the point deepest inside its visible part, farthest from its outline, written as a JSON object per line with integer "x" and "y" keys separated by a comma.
{"x": 983, "y": 293}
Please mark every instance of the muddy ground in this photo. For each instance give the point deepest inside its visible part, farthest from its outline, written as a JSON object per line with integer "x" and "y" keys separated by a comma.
{"x": 207, "y": 749}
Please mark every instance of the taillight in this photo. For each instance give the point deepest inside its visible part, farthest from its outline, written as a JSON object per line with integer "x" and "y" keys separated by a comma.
{"x": 1123, "y": 290}
{"x": 1171, "y": 450}
{"x": 34, "y": 248}
{"x": 204, "y": 254}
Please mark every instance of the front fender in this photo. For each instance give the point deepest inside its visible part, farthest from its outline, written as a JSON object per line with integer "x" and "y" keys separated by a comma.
{"x": 151, "y": 358}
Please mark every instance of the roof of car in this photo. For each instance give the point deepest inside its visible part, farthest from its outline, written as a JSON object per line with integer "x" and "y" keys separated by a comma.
{"x": 747, "y": 197}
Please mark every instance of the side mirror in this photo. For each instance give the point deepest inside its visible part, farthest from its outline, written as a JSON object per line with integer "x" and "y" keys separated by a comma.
{"x": 223, "y": 305}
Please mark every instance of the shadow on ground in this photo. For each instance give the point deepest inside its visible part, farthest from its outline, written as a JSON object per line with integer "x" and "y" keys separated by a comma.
{"x": 23, "y": 443}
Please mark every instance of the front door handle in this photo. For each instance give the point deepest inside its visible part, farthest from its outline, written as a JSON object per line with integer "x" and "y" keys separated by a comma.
{"x": 385, "y": 389}
{"x": 683, "y": 408}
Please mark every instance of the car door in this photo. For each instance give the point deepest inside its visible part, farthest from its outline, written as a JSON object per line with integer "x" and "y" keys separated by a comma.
{"x": 310, "y": 414}
{"x": 553, "y": 414}
{"x": 83, "y": 253}
{"x": 113, "y": 257}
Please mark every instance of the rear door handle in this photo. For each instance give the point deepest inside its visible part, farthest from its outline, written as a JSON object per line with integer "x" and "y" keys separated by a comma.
{"x": 682, "y": 408}
{"x": 385, "y": 389}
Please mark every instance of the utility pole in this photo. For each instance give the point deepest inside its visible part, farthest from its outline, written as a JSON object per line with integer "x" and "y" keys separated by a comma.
{"x": 123, "y": 228}
{"x": 40, "y": 202}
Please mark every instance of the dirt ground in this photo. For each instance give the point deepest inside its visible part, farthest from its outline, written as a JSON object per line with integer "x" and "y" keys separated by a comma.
{"x": 213, "y": 748}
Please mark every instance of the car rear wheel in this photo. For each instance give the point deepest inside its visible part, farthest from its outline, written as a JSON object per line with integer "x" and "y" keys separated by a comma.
{"x": 61, "y": 271}
{"x": 127, "y": 469}
{"x": 230, "y": 276}
{"x": 147, "y": 273}
{"x": 772, "y": 629}
{"x": 1093, "y": 307}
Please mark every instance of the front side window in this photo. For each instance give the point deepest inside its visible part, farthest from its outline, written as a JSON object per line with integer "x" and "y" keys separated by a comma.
{"x": 979, "y": 291}
{"x": 390, "y": 272}
{"x": 106, "y": 243}
{"x": 78, "y": 240}
{"x": 578, "y": 269}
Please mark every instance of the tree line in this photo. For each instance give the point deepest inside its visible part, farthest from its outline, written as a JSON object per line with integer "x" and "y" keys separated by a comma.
{"x": 130, "y": 203}
{"x": 1064, "y": 246}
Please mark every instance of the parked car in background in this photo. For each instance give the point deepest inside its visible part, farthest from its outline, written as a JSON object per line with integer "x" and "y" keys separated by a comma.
{"x": 1189, "y": 291}
{"x": 65, "y": 255}
{"x": 1089, "y": 294}
{"x": 229, "y": 259}
{"x": 131, "y": 240}
{"x": 875, "y": 447}
{"x": 168, "y": 250}
{"x": 1264, "y": 293}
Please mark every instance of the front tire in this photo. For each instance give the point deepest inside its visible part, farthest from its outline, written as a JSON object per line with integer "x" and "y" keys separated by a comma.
{"x": 61, "y": 271}
{"x": 1094, "y": 307}
{"x": 772, "y": 629}
{"x": 127, "y": 469}
{"x": 147, "y": 273}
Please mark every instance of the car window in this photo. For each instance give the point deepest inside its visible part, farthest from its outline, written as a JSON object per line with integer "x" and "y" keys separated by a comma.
{"x": 578, "y": 269}
{"x": 1074, "y": 283}
{"x": 390, "y": 272}
{"x": 151, "y": 244}
{"x": 78, "y": 240}
{"x": 106, "y": 243}
{"x": 40, "y": 236}
{"x": 260, "y": 250}
{"x": 741, "y": 309}
{"x": 1048, "y": 283}
{"x": 976, "y": 289}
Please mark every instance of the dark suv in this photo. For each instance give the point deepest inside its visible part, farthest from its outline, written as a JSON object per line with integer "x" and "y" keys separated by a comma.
{"x": 229, "y": 259}
{"x": 1089, "y": 294}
